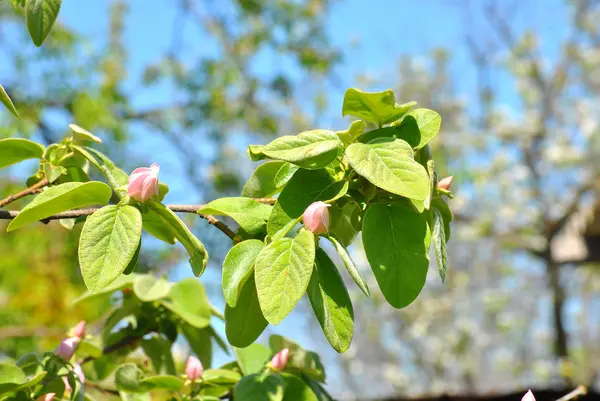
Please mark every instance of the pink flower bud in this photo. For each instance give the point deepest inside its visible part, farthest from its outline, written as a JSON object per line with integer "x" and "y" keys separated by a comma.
{"x": 143, "y": 183}
{"x": 67, "y": 348}
{"x": 445, "y": 183}
{"x": 46, "y": 397}
{"x": 316, "y": 218}
{"x": 193, "y": 368}
{"x": 79, "y": 330}
{"x": 280, "y": 359}
{"x": 528, "y": 396}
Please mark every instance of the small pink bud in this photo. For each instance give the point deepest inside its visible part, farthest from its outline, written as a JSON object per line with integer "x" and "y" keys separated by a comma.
{"x": 67, "y": 348}
{"x": 316, "y": 218}
{"x": 280, "y": 359}
{"x": 46, "y": 397}
{"x": 528, "y": 396}
{"x": 143, "y": 183}
{"x": 193, "y": 368}
{"x": 445, "y": 183}
{"x": 79, "y": 330}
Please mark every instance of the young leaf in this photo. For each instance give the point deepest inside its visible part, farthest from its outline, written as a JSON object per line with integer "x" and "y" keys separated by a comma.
{"x": 221, "y": 376}
{"x": 331, "y": 303}
{"x": 8, "y": 103}
{"x": 238, "y": 267}
{"x": 82, "y": 134}
{"x": 200, "y": 342}
{"x": 15, "y": 150}
{"x": 119, "y": 284}
{"x": 259, "y": 388}
{"x": 252, "y": 359}
{"x": 285, "y": 173}
{"x": 245, "y": 322}
{"x": 170, "y": 383}
{"x": 389, "y": 165}
{"x": 148, "y": 288}
{"x": 305, "y": 187}
{"x": 195, "y": 248}
{"x": 446, "y": 213}
{"x": 356, "y": 129}
{"x": 255, "y": 153}
{"x": 41, "y": 15}
{"x": 109, "y": 240}
{"x": 128, "y": 377}
{"x": 376, "y": 107}
{"x": 282, "y": 271}
{"x": 296, "y": 389}
{"x": 306, "y": 362}
{"x": 60, "y": 198}
{"x": 53, "y": 173}
{"x": 188, "y": 300}
{"x": 158, "y": 350}
{"x": 345, "y": 221}
{"x": 311, "y": 149}
{"x": 418, "y": 127}
{"x": 248, "y": 213}
{"x": 350, "y": 266}
{"x": 11, "y": 377}
{"x": 438, "y": 236}
{"x": 154, "y": 225}
{"x": 396, "y": 241}
{"x": 115, "y": 177}
{"x": 262, "y": 182}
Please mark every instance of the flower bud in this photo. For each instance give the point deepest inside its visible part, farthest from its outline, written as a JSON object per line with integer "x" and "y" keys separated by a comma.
{"x": 316, "y": 218}
{"x": 445, "y": 183}
{"x": 193, "y": 368}
{"x": 79, "y": 330}
{"x": 280, "y": 359}
{"x": 143, "y": 183}
{"x": 67, "y": 348}
{"x": 46, "y": 397}
{"x": 528, "y": 396}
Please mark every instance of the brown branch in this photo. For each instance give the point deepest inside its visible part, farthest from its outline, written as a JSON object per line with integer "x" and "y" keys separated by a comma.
{"x": 123, "y": 343}
{"x": 557, "y": 225}
{"x": 28, "y": 191}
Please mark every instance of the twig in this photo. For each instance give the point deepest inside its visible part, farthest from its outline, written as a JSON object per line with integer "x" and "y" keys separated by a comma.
{"x": 579, "y": 391}
{"x": 28, "y": 191}
{"x": 123, "y": 343}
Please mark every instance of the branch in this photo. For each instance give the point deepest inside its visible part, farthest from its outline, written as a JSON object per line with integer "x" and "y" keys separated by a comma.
{"x": 557, "y": 225}
{"x": 123, "y": 343}
{"x": 29, "y": 191}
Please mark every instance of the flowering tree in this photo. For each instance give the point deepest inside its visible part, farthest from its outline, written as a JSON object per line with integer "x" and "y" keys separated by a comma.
{"x": 377, "y": 177}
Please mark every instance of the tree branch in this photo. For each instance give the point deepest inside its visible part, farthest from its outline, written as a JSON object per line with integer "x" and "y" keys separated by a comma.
{"x": 29, "y": 191}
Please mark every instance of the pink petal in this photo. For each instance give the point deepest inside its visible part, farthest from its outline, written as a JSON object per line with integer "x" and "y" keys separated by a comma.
{"x": 150, "y": 188}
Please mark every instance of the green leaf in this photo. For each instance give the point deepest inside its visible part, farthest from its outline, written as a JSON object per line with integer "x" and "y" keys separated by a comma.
{"x": 82, "y": 134}
{"x": 188, "y": 300}
{"x": 438, "y": 236}
{"x": 254, "y": 152}
{"x": 200, "y": 342}
{"x": 11, "y": 377}
{"x": 134, "y": 260}
{"x": 317, "y": 389}
{"x": 282, "y": 271}
{"x": 350, "y": 266}
{"x": 245, "y": 322}
{"x": 305, "y": 187}
{"x": 253, "y": 358}
{"x": 154, "y": 225}
{"x": 115, "y": 177}
{"x": 120, "y": 283}
{"x": 170, "y": 383}
{"x": 128, "y": 377}
{"x": 296, "y": 389}
{"x": 61, "y": 198}
{"x": 444, "y": 209}
{"x": 376, "y": 107}
{"x": 259, "y": 388}
{"x": 108, "y": 242}
{"x": 195, "y": 248}
{"x": 148, "y": 288}
{"x": 41, "y": 15}
{"x": 388, "y": 164}
{"x": 53, "y": 173}
{"x": 221, "y": 376}
{"x": 238, "y": 267}
{"x": 285, "y": 173}
{"x": 418, "y": 127}
{"x": 31, "y": 382}
{"x": 345, "y": 221}
{"x": 15, "y": 150}
{"x": 5, "y": 99}
{"x": 354, "y": 131}
{"x": 262, "y": 182}
{"x": 248, "y": 213}
{"x": 331, "y": 303}
{"x": 396, "y": 241}
{"x": 301, "y": 360}
{"x": 125, "y": 396}
{"x": 311, "y": 149}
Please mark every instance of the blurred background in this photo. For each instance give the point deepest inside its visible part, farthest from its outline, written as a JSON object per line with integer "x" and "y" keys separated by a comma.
{"x": 190, "y": 83}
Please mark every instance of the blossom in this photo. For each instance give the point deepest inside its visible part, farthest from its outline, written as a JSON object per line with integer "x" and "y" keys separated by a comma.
{"x": 280, "y": 359}
{"x": 143, "y": 183}
{"x": 445, "y": 183}
{"x": 79, "y": 330}
{"x": 67, "y": 348}
{"x": 193, "y": 368}
{"x": 528, "y": 396}
{"x": 316, "y": 218}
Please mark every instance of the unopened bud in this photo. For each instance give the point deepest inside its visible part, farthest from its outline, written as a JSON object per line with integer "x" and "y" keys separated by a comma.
{"x": 280, "y": 359}
{"x": 445, "y": 183}
{"x": 528, "y": 396}
{"x": 316, "y": 218}
{"x": 143, "y": 183}
{"x": 67, "y": 348}
{"x": 46, "y": 397}
{"x": 193, "y": 368}
{"x": 79, "y": 330}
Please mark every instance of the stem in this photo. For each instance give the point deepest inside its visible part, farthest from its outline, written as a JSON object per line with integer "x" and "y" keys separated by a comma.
{"x": 125, "y": 342}
{"x": 29, "y": 191}
{"x": 579, "y": 391}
